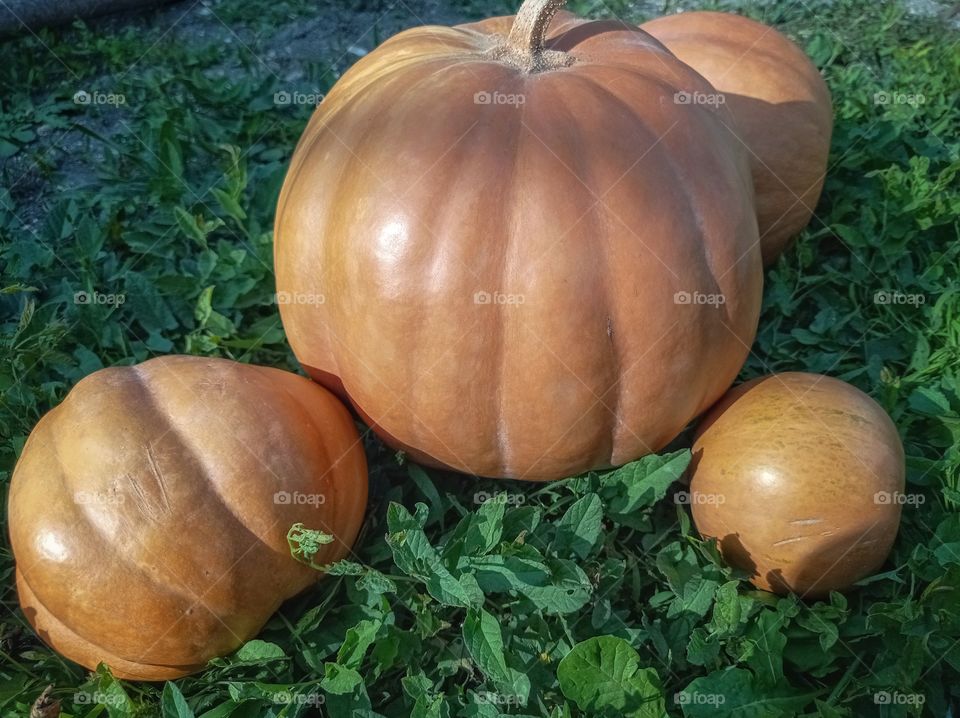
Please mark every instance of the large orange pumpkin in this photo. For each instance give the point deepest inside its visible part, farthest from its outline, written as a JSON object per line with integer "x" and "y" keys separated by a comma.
{"x": 513, "y": 249}
{"x": 800, "y": 478}
{"x": 148, "y": 512}
{"x": 781, "y": 105}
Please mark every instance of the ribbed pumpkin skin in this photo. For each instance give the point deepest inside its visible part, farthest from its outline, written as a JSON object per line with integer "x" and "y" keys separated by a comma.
{"x": 799, "y": 460}
{"x": 142, "y": 511}
{"x": 405, "y": 199}
{"x": 781, "y": 105}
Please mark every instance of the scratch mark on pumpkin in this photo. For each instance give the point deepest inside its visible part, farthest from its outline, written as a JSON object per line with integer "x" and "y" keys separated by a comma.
{"x": 793, "y": 539}
{"x": 161, "y": 488}
{"x": 150, "y": 503}
{"x": 805, "y": 522}
{"x": 140, "y": 499}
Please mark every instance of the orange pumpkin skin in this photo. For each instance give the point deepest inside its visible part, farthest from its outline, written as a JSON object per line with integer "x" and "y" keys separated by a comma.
{"x": 493, "y": 285}
{"x": 147, "y": 514}
{"x": 798, "y": 477}
{"x": 781, "y": 105}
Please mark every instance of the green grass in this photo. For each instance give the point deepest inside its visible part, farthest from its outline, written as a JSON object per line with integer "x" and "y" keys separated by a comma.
{"x": 168, "y": 200}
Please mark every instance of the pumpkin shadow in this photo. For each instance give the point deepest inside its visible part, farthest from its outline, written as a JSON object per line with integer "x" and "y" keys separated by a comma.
{"x": 800, "y": 192}
{"x": 568, "y": 39}
{"x": 835, "y": 562}
{"x": 736, "y": 554}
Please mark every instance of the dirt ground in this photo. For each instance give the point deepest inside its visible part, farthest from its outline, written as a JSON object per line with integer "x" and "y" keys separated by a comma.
{"x": 337, "y": 33}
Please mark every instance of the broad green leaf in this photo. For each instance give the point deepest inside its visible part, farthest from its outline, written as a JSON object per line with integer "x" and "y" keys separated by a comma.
{"x": 228, "y": 708}
{"x": 173, "y": 704}
{"x": 229, "y": 204}
{"x": 642, "y": 483}
{"x": 357, "y": 641}
{"x": 703, "y": 647}
{"x": 485, "y": 528}
{"x": 376, "y": 583}
{"x": 521, "y": 521}
{"x": 340, "y": 680}
{"x": 604, "y": 674}
{"x": 554, "y": 586}
{"x": 733, "y": 693}
{"x": 190, "y": 226}
{"x": 257, "y": 650}
{"x": 90, "y": 238}
{"x": 726, "y": 609}
{"x": 484, "y": 642}
{"x": 764, "y": 647}
{"x": 430, "y": 707}
{"x": 578, "y": 530}
{"x": 695, "y": 598}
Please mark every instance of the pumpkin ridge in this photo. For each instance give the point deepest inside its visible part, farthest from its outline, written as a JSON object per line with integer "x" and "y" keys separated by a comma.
{"x": 694, "y": 211}
{"x": 329, "y": 486}
{"x": 428, "y": 233}
{"x": 499, "y": 319}
{"x": 435, "y": 33}
{"x": 178, "y": 597}
{"x": 430, "y": 230}
{"x": 60, "y": 627}
{"x": 678, "y": 176}
{"x": 337, "y": 188}
{"x": 317, "y": 125}
{"x": 596, "y": 218}
{"x": 191, "y": 450}
{"x": 744, "y": 174}
{"x": 331, "y": 353}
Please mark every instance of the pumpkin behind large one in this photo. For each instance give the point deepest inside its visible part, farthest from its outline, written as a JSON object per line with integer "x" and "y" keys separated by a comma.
{"x": 520, "y": 257}
{"x": 148, "y": 512}
{"x": 781, "y": 106}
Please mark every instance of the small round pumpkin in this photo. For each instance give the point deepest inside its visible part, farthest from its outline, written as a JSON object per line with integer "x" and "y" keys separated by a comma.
{"x": 781, "y": 105}
{"x": 512, "y": 249}
{"x": 800, "y": 479}
{"x": 148, "y": 512}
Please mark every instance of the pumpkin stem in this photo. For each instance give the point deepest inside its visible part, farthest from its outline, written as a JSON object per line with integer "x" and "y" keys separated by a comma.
{"x": 529, "y": 30}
